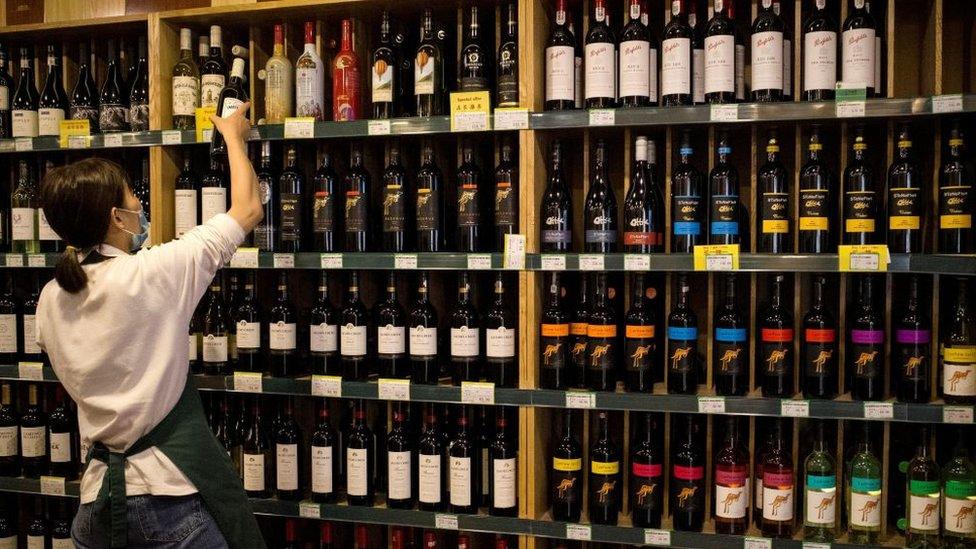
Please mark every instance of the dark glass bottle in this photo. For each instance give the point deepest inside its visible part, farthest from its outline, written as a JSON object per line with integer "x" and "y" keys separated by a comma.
{"x": 391, "y": 333}
{"x": 778, "y": 486}
{"x": 465, "y": 324}
{"x": 30, "y": 350}
{"x": 603, "y": 341}
{"x": 62, "y": 436}
{"x": 216, "y": 332}
{"x": 507, "y": 65}
{"x": 956, "y": 199}
{"x": 720, "y": 58}
{"x": 817, "y": 220}
{"x": 33, "y": 435}
{"x": 555, "y": 371}
{"x": 956, "y": 350}
{"x": 865, "y": 348}
{"x": 288, "y": 440}
{"x": 600, "y": 209}
{"x": 640, "y": 339}
{"x": 501, "y": 325}
{"x": 232, "y": 96}
{"x": 52, "y": 106}
{"x": 503, "y": 471}
{"x": 266, "y": 233}
{"x": 324, "y": 183}
{"x": 399, "y": 467}
{"x": 394, "y": 203}
{"x": 775, "y": 208}
{"x": 643, "y": 210}
{"x": 360, "y": 459}
{"x": 469, "y": 199}
{"x": 566, "y": 474}
{"x": 9, "y": 435}
{"x": 432, "y": 467}
{"x": 213, "y": 70}
{"x": 819, "y": 346}
{"x": 646, "y": 474}
{"x": 730, "y": 350}
{"x": 506, "y": 196}
{"x": 429, "y": 86}
{"x": 731, "y": 478}
{"x": 906, "y": 203}
{"x": 84, "y": 97}
{"x": 385, "y": 86}
{"x": 187, "y": 198}
{"x": 600, "y": 61}
{"x": 860, "y": 201}
{"x": 37, "y": 527}
{"x": 676, "y": 58}
{"x": 924, "y": 492}
{"x": 605, "y": 480}
{"x": 324, "y": 458}
{"x": 424, "y": 366}
{"x": 683, "y": 343}
{"x": 912, "y": 348}
{"x": 819, "y": 54}
{"x": 687, "y": 497}
{"x": 113, "y": 100}
{"x": 767, "y": 54}
{"x": 724, "y": 215}
{"x": 139, "y": 92}
{"x": 6, "y": 94}
{"x": 352, "y": 333}
{"x": 959, "y": 486}
{"x": 473, "y": 64}
{"x": 858, "y": 48}
{"x": 357, "y": 188}
{"x": 283, "y": 333}
{"x": 560, "y": 89}
{"x": 687, "y": 211}
{"x": 60, "y": 526}
{"x": 464, "y": 462}
{"x": 24, "y": 102}
{"x": 776, "y": 343}
{"x": 557, "y": 209}
{"x": 324, "y": 332}
{"x": 635, "y": 60}
{"x": 429, "y": 203}
{"x": 291, "y": 200}
{"x": 578, "y": 332}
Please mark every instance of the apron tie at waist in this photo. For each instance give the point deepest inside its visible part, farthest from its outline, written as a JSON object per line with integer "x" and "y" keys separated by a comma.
{"x": 113, "y": 486}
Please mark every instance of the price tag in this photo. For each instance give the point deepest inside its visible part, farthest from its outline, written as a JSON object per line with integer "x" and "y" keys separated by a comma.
{"x": 79, "y": 141}
{"x": 254, "y": 134}
{"x": 717, "y": 257}
{"x": 378, "y": 127}
{"x": 810, "y": 545}
{"x": 478, "y": 262}
{"x": 591, "y": 262}
{"x": 172, "y": 137}
{"x": 711, "y": 405}
{"x": 14, "y": 260}
{"x": 849, "y": 109}
{"x": 723, "y": 113}
{"x": 575, "y": 399}
{"x": 957, "y": 414}
{"x": 33, "y": 371}
{"x": 111, "y": 140}
{"x": 511, "y": 119}
{"x": 244, "y": 258}
{"x": 405, "y": 261}
{"x": 203, "y": 122}
{"x": 207, "y": 135}
{"x": 73, "y": 128}
{"x": 550, "y": 262}
{"x": 757, "y": 543}
{"x": 327, "y": 386}
{"x": 602, "y": 117}
{"x": 284, "y": 261}
{"x": 309, "y": 509}
{"x": 330, "y": 261}
{"x": 795, "y": 408}
{"x": 248, "y": 382}
{"x": 470, "y": 111}
{"x": 445, "y": 522}
{"x": 580, "y": 532}
{"x": 879, "y": 410}
{"x": 477, "y": 392}
{"x": 22, "y": 144}
{"x": 874, "y": 257}
{"x": 394, "y": 389}
{"x": 947, "y": 103}
{"x": 514, "y": 251}
{"x": 637, "y": 262}
{"x": 653, "y": 536}
{"x": 36, "y": 260}
{"x": 299, "y": 127}
{"x": 52, "y": 486}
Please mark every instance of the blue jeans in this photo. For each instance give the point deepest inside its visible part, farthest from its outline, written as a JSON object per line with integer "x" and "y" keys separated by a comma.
{"x": 170, "y": 522}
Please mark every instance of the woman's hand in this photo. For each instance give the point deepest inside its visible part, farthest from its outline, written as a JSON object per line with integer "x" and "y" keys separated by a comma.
{"x": 235, "y": 127}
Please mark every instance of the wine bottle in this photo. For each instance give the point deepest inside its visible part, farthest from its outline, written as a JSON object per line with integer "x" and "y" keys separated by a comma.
{"x": 555, "y": 371}
{"x": 957, "y": 351}
{"x": 9, "y": 328}
{"x": 360, "y": 459}
{"x": 578, "y": 332}
{"x": 391, "y": 333}
{"x": 247, "y": 321}
{"x": 864, "y": 495}
{"x": 646, "y": 474}
{"x": 463, "y": 466}
{"x": 600, "y": 209}
{"x": 186, "y": 84}
{"x": 956, "y": 199}
{"x": 730, "y": 350}
{"x": 767, "y": 54}
{"x": 506, "y": 196}
{"x": 469, "y": 200}
{"x": 778, "y": 482}
{"x": 113, "y": 101}
{"x": 858, "y": 49}
{"x": 906, "y": 204}
{"x": 819, "y": 54}
{"x": 290, "y": 200}
{"x": 860, "y": 202}
{"x": 288, "y": 438}
{"x": 33, "y": 435}
{"x": 640, "y": 339}
{"x": 482, "y": 440}
{"x": 507, "y": 67}
{"x": 213, "y": 70}
{"x": 683, "y": 343}
{"x": 776, "y": 343}
{"x": 37, "y": 530}
{"x": 643, "y": 214}
{"x": 958, "y": 489}
{"x": 566, "y": 475}
{"x": 429, "y": 203}
{"x": 278, "y": 79}
{"x": 399, "y": 468}
{"x": 605, "y": 482}
{"x": 310, "y": 78}
{"x": 9, "y": 436}
{"x": 687, "y": 209}
{"x": 865, "y": 351}
{"x": 185, "y": 199}
{"x": 816, "y": 209}
{"x": 352, "y": 333}
{"x": 139, "y": 92}
{"x": 676, "y": 58}
{"x": 216, "y": 332}
{"x": 431, "y": 467}
{"x": 323, "y": 446}
{"x": 775, "y": 210}
{"x": 213, "y": 192}
{"x": 560, "y": 69}
{"x": 6, "y": 94}
{"x": 924, "y": 485}
{"x": 203, "y": 48}
{"x": 24, "y": 208}
{"x": 346, "y": 78}
{"x": 356, "y": 218}
{"x": 282, "y": 333}
{"x": 556, "y": 210}
{"x": 265, "y": 235}
{"x": 473, "y": 58}
{"x": 324, "y": 183}
{"x": 820, "y": 490}
{"x": 61, "y": 526}
{"x": 52, "y": 106}
{"x": 62, "y": 433}
{"x": 503, "y": 471}
{"x": 719, "y": 80}
{"x": 232, "y": 96}
{"x": 724, "y": 215}
{"x": 23, "y": 108}
{"x": 602, "y": 340}
{"x": 731, "y": 477}
{"x": 424, "y": 367}
{"x": 819, "y": 346}
{"x": 32, "y": 352}
{"x": 324, "y": 332}
{"x": 501, "y": 361}
{"x": 912, "y": 348}
{"x": 385, "y": 85}
{"x": 600, "y": 54}
{"x": 429, "y": 86}
{"x": 697, "y": 55}
{"x": 687, "y": 498}
{"x": 465, "y": 335}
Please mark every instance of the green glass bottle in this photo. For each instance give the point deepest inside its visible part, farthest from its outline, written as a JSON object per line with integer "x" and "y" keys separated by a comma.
{"x": 959, "y": 498}
{"x": 922, "y": 497}
{"x": 820, "y": 494}
{"x": 864, "y": 494}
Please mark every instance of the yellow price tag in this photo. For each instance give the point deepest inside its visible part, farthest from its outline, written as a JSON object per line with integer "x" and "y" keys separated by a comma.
{"x": 870, "y": 257}
{"x": 717, "y": 257}
{"x": 203, "y": 122}
{"x": 469, "y": 111}
{"x": 70, "y": 128}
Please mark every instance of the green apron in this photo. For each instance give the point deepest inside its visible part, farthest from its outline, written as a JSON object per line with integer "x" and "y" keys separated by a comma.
{"x": 184, "y": 437}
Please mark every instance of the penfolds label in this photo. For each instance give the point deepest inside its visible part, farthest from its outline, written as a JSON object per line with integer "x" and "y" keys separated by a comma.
{"x": 720, "y": 64}
{"x": 956, "y": 207}
{"x": 697, "y": 73}
{"x": 291, "y": 217}
{"x": 600, "y": 70}
{"x": 322, "y": 212}
{"x": 468, "y": 213}
{"x": 355, "y": 212}
{"x": 560, "y": 73}
{"x": 904, "y": 208}
{"x": 505, "y": 197}
{"x": 394, "y": 215}
{"x": 676, "y": 66}
{"x": 858, "y": 54}
{"x": 428, "y": 212}
{"x": 634, "y": 67}
{"x": 860, "y": 211}
{"x": 819, "y": 60}
{"x": 767, "y": 60}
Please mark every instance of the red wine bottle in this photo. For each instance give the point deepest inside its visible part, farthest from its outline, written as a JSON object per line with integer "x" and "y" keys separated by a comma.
{"x": 579, "y": 327}
{"x": 283, "y": 333}
{"x": 288, "y": 439}
{"x": 257, "y": 456}
{"x": 560, "y": 63}
{"x": 399, "y": 462}
{"x": 556, "y": 212}
{"x": 687, "y": 210}
{"x": 640, "y": 339}
{"x": 775, "y": 210}
{"x": 324, "y": 458}
{"x": 429, "y": 203}
{"x": 605, "y": 480}
{"x": 600, "y": 53}
{"x": 683, "y": 343}
{"x": 778, "y": 486}
{"x": 352, "y": 333}
{"x": 646, "y": 474}
{"x": 232, "y": 96}
{"x": 643, "y": 214}
{"x": 819, "y": 346}
{"x": 323, "y": 332}
{"x": 360, "y": 459}
{"x": 687, "y": 501}
{"x": 724, "y": 214}
{"x": 500, "y": 325}
{"x": 465, "y": 346}
{"x": 503, "y": 471}
{"x": 602, "y": 341}
{"x": 431, "y": 464}
{"x": 776, "y": 343}
{"x": 956, "y": 198}
{"x": 424, "y": 367}
{"x": 817, "y": 220}
{"x": 357, "y": 188}
{"x": 391, "y": 333}
{"x": 469, "y": 198}
{"x": 464, "y": 468}
{"x": 730, "y": 350}
{"x": 731, "y": 477}
{"x": 906, "y": 203}
{"x": 555, "y": 371}
{"x": 394, "y": 203}
{"x": 912, "y": 348}
{"x": 865, "y": 355}
{"x": 600, "y": 209}
{"x": 676, "y": 58}
{"x": 860, "y": 200}
{"x": 566, "y": 474}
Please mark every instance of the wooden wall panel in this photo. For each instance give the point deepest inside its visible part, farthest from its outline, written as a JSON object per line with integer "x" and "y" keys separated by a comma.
{"x": 150, "y": 6}
{"x": 70, "y": 10}
{"x": 22, "y": 12}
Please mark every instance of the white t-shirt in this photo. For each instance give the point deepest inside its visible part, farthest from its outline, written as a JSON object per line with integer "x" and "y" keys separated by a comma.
{"x": 119, "y": 346}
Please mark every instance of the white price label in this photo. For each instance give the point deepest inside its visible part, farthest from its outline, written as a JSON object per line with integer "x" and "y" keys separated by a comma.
{"x": 477, "y": 392}
{"x": 757, "y": 543}
{"x": 511, "y": 119}
{"x": 795, "y": 408}
{"x": 394, "y": 389}
{"x": 445, "y": 522}
{"x": 591, "y": 262}
{"x": 723, "y": 113}
{"x": 330, "y": 261}
{"x": 173, "y": 137}
{"x": 300, "y": 128}
{"x": 245, "y": 258}
{"x": 810, "y": 545}
{"x": 52, "y": 486}
{"x": 550, "y": 262}
{"x": 585, "y": 401}
{"x": 33, "y": 371}
{"x": 637, "y": 262}
{"x": 470, "y": 122}
{"x": 514, "y": 251}
{"x": 206, "y": 136}
{"x": 309, "y": 509}
{"x": 657, "y": 537}
{"x": 580, "y": 532}
{"x": 36, "y": 260}
{"x": 849, "y": 109}
{"x": 22, "y": 144}
{"x": 405, "y": 261}
{"x": 879, "y": 410}
{"x": 14, "y": 260}
{"x": 378, "y": 127}
{"x": 718, "y": 262}
{"x": 79, "y": 141}
{"x": 865, "y": 262}
{"x": 602, "y": 117}
{"x": 957, "y": 414}
{"x": 947, "y": 103}
{"x": 327, "y": 386}
{"x": 254, "y": 134}
{"x": 284, "y": 261}
{"x": 113, "y": 140}
{"x": 478, "y": 262}
{"x": 711, "y": 405}
{"x": 248, "y": 382}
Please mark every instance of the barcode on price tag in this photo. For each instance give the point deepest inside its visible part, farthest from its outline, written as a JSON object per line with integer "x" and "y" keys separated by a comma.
{"x": 580, "y": 532}
{"x": 865, "y": 262}
{"x": 309, "y": 509}
{"x": 591, "y": 262}
{"x": 405, "y": 261}
{"x": 947, "y": 103}
{"x": 657, "y": 537}
{"x": 22, "y": 144}
{"x": 112, "y": 140}
{"x": 602, "y": 117}
{"x": 330, "y": 261}
{"x": 477, "y": 392}
{"x": 511, "y": 119}
{"x": 300, "y": 128}
{"x": 757, "y": 543}
{"x": 711, "y": 405}
{"x": 245, "y": 258}
{"x": 394, "y": 389}
{"x": 550, "y": 262}
{"x": 52, "y": 486}
{"x": 637, "y": 262}
{"x": 849, "y": 109}
{"x": 327, "y": 386}
{"x": 36, "y": 260}
{"x": 248, "y": 382}
{"x": 14, "y": 260}
{"x": 957, "y": 414}
{"x": 378, "y": 127}
{"x": 716, "y": 257}
{"x": 79, "y": 141}
{"x": 478, "y": 262}
{"x": 33, "y": 371}
{"x": 795, "y": 408}
{"x": 172, "y": 137}
{"x": 284, "y": 261}
{"x": 580, "y": 400}
{"x": 879, "y": 410}
{"x": 723, "y": 113}
{"x": 445, "y": 522}
{"x": 206, "y": 135}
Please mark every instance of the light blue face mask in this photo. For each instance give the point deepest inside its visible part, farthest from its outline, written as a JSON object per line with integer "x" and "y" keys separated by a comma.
{"x": 138, "y": 239}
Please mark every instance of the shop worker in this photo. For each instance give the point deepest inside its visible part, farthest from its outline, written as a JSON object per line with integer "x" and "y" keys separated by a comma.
{"x": 114, "y": 325}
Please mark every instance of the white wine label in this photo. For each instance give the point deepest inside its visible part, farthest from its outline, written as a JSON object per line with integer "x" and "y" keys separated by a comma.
{"x": 213, "y": 202}
{"x": 821, "y": 507}
{"x": 923, "y": 513}
{"x": 635, "y": 62}
{"x": 185, "y": 211}
{"x": 231, "y": 104}
{"x": 322, "y": 469}
{"x": 676, "y": 66}
{"x": 960, "y": 515}
{"x": 423, "y": 75}
{"x": 423, "y": 341}
{"x": 30, "y": 335}
{"x": 460, "y": 477}
{"x": 254, "y": 472}
{"x": 352, "y": 340}
{"x": 505, "y": 484}
{"x": 720, "y": 64}
{"x": 4, "y": 98}
{"x": 398, "y": 475}
{"x": 33, "y": 441}
{"x": 214, "y": 348}
{"x": 35, "y": 542}
{"x": 23, "y": 223}
{"x": 248, "y": 335}
{"x": 60, "y": 447}
{"x": 286, "y": 466}
{"x": 356, "y": 471}
{"x": 382, "y": 82}
{"x": 59, "y": 543}
{"x": 282, "y": 336}
{"x": 323, "y": 338}
{"x": 391, "y": 340}
{"x": 777, "y": 504}
{"x": 429, "y": 478}
{"x": 599, "y": 66}
{"x": 44, "y": 230}
{"x": 193, "y": 346}
{"x": 186, "y": 95}
{"x": 210, "y": 86}
{"x": 730, "y": 502}
{"x": 8, "y": 542}
{"x": 958, "y": 379}
{"x": 560, "y": 73}
{"x": 23, "y": 123}
{"x": 8, "y": 441}
{"x": 8, "y": 333}
{"x": 49, "y": 121}
{"x": 500, "y": 343}
{"x": 465, "y": 341}
{"x": 309, "y": 92}
{"x": 819, "y": 60}
{"x": 857, "y": 69}
{"x": 767, "y": 60}
{"x": 865, "y": 509}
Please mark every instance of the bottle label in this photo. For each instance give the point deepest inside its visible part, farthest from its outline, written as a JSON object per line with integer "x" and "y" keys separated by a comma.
{"x": 23, "y": 123}
{"x": 865, "y": 509}
{"x": 398, "y": 475}
{"x": 923, "y": 511}
{"x": 186, "y": 95}
{"x": 210, "y": 86}
{"x": 309, "y": 93}
{"x": 553, "y": 344}
{"x": 683, "y": 343}
{"x": 730, "y": 355}
{"x": 357, "y": 471}
{"x": 507, "y": 83}
{"x": 647, "y": 470}
{"x": 500, "y": 342}
{"x": 460, "y": 485}
{"x": 685, "y": 210}
{"x": 485, "y": 465}
{"x": 84, "y": 113}
{"x": 600, "y": 70}
{"x": 730, "y": 335}
{"x": 355, "y": 212}
{"x": 322, "y": 215}
{"x": 428, "y": 211}
{"x": 604, "y": 467}
{"x": 49, "y": 121}
{"x": 322, "y": 470}
{"x": 8, "y": 441}
{"x": 382, "y": 81}
{"x": 423, "y": 74}
{"x": 468, "y": 213}
{"x": 465, "y": 342}
{"x": 687, "y": 489}
{"x": 323, "y": 338}
{"x": 286, "y": 466}
{"x": 601, "y": 228}
{"x": 859, "y": 211}
{"x": 688, "y": 473}
{"x": 904, "y": 209}
{"x": 720, "y": 64}
{"x": 345, "y": 88}
{"x": 646, "y": 485}
{"x": 560, "y": 78}
{"x": 505, "y": 214}
{"x": 282, "y": 336}
{"x": 958, "y": 378}
{"x": 423, "y": 341}
{"x": 821, "y": 506}
{"x": 248, "y": 335}
{"x": 193, "y": 344}
{"x": 639, "y": 347}
{"x": 819, "y": 352}
{"x": 819, "y": 60}
{"x": 213, "y": 202}
{"x": 254, "y": 472}
{"x": 787, "y": 67}
{"x": 730, "y": 501}
{"x": 676, "y": 66}
{"x": 550, "y": 236}
{"x": 8, "y": 333}
{"x": 35, "y": 542}
{"x": 567, "y": 465}
{"x": 60, "y": 447}
{"x": 600, "y": 348}
{"x": 858, "y": 54}
{"x": 864, "y": 354}
{"x": 955, "y": 207}
{"x": 697, "y": 71}
{"x": 139, "y": 117}
{"x": 352, "y": 340}
{"x": 214, "y": 348}
{"x": 4, "y": 98}
{"x": 291, "y": 217}
{"x": 767, "y": 60}
{"x": 775, "y": 213}
{"x": 505, "y": 484}
{"x": 30, "y": 335}
{"x": 777, "y": 502}
{"x": 960, "y": 512}
{"x": 724, "y": 216}
{"x": 185, "y": 211}
{"x": 429, "y": 478}
{"x": 391, "y": 340}
{"x": 634, "y": 67}
{"x": 393, "y": 212}
{"x": 23, "y": 223}
{"x": 814, "y": 207}
{"x": 472, "y": 67}
{"x": 33, "y": 441}
{"x": 44, "y": 230}
{"x": 112, "y": 117}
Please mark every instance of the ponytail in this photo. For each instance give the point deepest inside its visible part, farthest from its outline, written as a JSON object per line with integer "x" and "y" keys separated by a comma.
{"x": 68, "y": 272}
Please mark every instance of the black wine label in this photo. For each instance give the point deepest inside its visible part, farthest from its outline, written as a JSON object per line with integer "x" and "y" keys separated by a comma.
{"x": 688, "y": 494}
{"x": 394, "y": 214}
{"x": 291, "y": 216}
{"x": 904, "y": 208}
{"x": 910, "y": 354}
{"x": 819, "y": 352}
{"x": 604, "y": 488}
{"x": 956, "y": 207}
{"x": 507, "y": 85}
{"x": 601, "y": 347}
{"x": 112, "y": 118}
{"x": 730, "y": 357}
{"x": 865, "y": 355}
{"x": 600, "y": 227}
{"x": 647, "y": 486}
{"x": 355, "y": 212}
{"x": 139, "y": 117}
{"x": 85, "y": 113}
{"x": 473, "y": 71}
{"x": 815, "y": 210}
{"x": 322, "y": 212}
{"x": 724, "y": 220}
{"x": 553, "y": 342}
{"x": 775, "y": 213}
{"x": 567, "y": 481}
{"x": 504, "y": 204}
{"x": 777, "y": 358}
{"x": 639, "y": 348}
{"x": 467, "y": 205}
{"x": 859, "y": 211}
{"x": 428, "y": 213}
{"x": 686, "y": 214}
{"x": 578, "y": 354}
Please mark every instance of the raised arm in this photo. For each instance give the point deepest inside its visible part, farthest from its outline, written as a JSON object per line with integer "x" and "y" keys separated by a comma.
{"x": 245, "y": 200}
